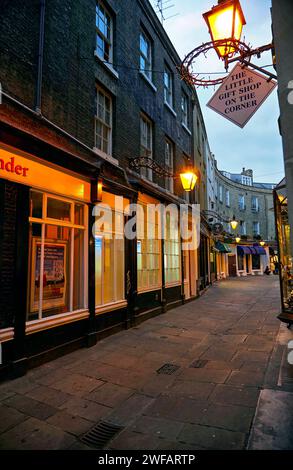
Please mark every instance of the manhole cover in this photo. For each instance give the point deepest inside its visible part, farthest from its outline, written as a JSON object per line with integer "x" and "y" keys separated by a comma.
{"x": 199, "y": 364}
{"x": 101, "y": 434}
{"x": 168, "y": 369}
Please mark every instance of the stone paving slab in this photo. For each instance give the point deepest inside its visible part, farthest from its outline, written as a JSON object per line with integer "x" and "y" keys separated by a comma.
{"x": 227, "y": 333}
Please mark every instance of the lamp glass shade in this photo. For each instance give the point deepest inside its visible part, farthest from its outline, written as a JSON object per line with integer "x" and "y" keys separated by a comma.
{"x": 225, "y": 21}
{"x": 262, "y": 243}
{"x": 188, "y": 180}
{"x": 238, "y": 239}
{"x": 234, "y": 224}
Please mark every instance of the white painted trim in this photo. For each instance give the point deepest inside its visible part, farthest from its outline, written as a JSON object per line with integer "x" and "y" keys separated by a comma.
{"x": 105, "y": 156}
{"x": 186, "y": 128}
{"x": 143, "y": 290}
{"x": 149, "y": 82}
{"x": 7, "y": 334}
{"x": 57, "y": 320}
{"x": 173, "y": 284}
{"x": 107, "y": 65}
{"x": 170, "y": 108}
{"x": 111, "y": 306}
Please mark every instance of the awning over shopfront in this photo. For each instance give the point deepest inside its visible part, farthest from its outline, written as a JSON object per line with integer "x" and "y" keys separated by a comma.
{"x": 250, "y": 250}
{"x": 243, "y": 250}
{"x": 223, "y": 247}
{"x": 259, "y": 250}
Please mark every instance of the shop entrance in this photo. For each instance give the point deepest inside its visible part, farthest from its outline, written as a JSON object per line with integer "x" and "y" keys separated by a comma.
{"x": 232, "y": 266}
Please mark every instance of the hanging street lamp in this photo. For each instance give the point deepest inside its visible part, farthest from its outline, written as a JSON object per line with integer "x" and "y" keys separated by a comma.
{"x": 188, "y": 180}
{"x": 225, "y": 22}
{"x": 237, "y": 239}
{"x": 262, "y": 243}
{"x": 188, "y": 176}
{"x": 234, "y": 223}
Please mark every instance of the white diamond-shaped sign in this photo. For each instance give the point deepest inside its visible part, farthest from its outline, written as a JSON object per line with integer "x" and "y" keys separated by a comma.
{"x": 241, "y": 95}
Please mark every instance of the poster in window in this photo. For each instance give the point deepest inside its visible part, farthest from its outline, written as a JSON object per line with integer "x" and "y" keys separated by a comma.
{"x": 54, "y": 275}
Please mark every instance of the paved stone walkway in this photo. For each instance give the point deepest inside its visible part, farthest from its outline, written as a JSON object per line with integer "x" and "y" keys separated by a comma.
{"x": 222, "y": 344}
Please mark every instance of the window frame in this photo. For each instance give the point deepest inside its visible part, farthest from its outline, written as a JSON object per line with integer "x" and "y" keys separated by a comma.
{"x": 148, "y": 73}
{"x": 146, "y": 172}
{"x": 44, "y": 221}
{"x": 104, "y": 124}
{"x": 169, "y": 182}
{"x": 184, "y": 112}
{"x": 168, "y": 90}
{"x": 99, "y": 4}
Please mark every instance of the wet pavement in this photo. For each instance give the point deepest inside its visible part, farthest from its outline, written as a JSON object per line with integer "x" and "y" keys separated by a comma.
{"x": 206, "y": 375}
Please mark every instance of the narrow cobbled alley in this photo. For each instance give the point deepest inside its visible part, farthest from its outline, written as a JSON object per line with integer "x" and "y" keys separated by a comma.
{"x": 201, "y": 376}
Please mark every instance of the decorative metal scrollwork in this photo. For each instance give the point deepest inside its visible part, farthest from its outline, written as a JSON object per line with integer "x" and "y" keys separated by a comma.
{"x": 147, "y": 162}
{"x": 192, "y": 78}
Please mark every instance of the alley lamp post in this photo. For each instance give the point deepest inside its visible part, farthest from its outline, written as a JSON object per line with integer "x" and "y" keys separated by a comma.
{"x": 237, "y": 239}
{"x": 262, "y": 243}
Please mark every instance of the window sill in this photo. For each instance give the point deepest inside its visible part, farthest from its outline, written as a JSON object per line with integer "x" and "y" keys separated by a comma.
{"x": 170, "y": 108}
{"x": 186, "y": 129}
{"x": 111, "y": 306}
{"x": 105, "y": 156}
{"x": 107, "y": 66}
{"x": 148, "y": 81}
{"x": 51, "y": 322}
{"x": 149, "y": 289}
{"x": 7, "y": 334}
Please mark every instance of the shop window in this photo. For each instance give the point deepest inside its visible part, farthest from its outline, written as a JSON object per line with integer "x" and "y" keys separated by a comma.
{"x": 57, "y": 255}
{"x": 240, "y": 263}
{"x": 172, "y": 252}
{"x": 109, "y": 258}
{"x": 148, "y": 250}
{"x": 255, "y": 262}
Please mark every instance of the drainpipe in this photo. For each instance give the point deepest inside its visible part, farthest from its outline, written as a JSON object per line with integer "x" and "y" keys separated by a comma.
{"x": 38, "y": 103}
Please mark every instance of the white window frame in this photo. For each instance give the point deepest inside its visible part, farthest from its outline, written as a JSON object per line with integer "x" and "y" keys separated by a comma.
{"x": 168, "y": 87}
{"x": 103, "y": 123}
{"x": 241, "y": 202}
{"x": 170, "y": 254}
{"x": 255, "y": 204}
{"x": 220, "y": 193}
{"x": 44, "y": 221}
{"x": 146, "y": 151}
{"x": 142, "y": 235}
{"x": 147, "y": 72}
{"x": 169, "y": 182}
{"x": 109, "y": 41}
{"x": 242, "y": 227}
{"x": 184, "y": 109}
{"x": 256, "y": 228}
{"x": 227, "y": 198}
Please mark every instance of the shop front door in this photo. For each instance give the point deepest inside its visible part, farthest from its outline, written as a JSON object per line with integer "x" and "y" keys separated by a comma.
{"x": 232, "y": 266}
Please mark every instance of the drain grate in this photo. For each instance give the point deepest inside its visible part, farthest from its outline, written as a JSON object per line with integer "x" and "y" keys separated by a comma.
{"x": 199, "y": 364}
{"x": 101, "y": 434}
{"x": 168, "y": 369}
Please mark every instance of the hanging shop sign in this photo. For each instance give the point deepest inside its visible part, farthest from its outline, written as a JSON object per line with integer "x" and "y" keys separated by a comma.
{"x": 217, "y": 229}
{"x": 241, "y": 95}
